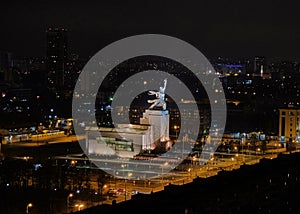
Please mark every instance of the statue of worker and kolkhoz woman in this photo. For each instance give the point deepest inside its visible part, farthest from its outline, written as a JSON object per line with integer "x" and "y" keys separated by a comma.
{"x": 160, "y": 97}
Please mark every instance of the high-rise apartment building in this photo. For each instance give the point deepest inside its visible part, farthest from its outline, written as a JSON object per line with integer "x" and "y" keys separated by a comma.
{"x": 259, "y": 65}
{"x": 56, "y": 56}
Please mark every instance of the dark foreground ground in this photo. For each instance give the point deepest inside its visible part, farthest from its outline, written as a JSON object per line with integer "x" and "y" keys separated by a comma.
{"x": 272, "y": 186}
{"x": 16, "y": 174}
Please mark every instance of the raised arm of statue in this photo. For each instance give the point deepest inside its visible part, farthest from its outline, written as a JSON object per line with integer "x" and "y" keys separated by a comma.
{"x": 165, "y": 84}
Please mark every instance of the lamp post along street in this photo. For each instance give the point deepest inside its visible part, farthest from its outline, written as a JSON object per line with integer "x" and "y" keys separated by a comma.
{"x": 125, "y": 188}
{"x": 27, "y": 207}
{"x": 68, "y": 201}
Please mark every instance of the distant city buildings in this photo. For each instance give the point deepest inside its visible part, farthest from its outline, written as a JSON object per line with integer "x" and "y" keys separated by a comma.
{"x": 41, "y": 88}
{"x": 259, "y": 64}
{"x": 5, "y": 66}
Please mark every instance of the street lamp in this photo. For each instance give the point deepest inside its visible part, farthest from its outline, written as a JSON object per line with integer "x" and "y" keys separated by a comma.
{"x": 162, "y": 171}
{"x": 123, "y": 166}
{"x": 128, "y": 175}
{"x": 115, "y": 173}
{"x": 258, "y": 150}
{"x": 189, "y": 170}
{"x": 101, "y": 192}
{"x": 176, "y": 130}
{"x": 68, "y": 201}
{"x": 28, "y": 206}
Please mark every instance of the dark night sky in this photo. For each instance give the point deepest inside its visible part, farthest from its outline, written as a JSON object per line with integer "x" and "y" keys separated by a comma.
{"x": 228, "y": 28}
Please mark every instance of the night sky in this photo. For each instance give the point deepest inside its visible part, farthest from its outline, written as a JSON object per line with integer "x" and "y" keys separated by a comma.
{"x": 227, "y": 28}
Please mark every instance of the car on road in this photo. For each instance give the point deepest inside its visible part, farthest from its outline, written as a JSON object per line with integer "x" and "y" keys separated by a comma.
{"x": 121, "y": 191}
{"x": 134, "y": 192}
{"x": 112, "y": 192}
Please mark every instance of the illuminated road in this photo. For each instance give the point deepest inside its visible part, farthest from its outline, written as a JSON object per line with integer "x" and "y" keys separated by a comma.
{"x": 186, "y": 175}
{"x": 48, "y": 140}
{"x": 161, "y": 172}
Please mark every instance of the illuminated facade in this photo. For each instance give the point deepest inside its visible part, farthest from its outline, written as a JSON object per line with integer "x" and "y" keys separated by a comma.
{"x": 126, "y": 140}
{"x": 289, "y": 125}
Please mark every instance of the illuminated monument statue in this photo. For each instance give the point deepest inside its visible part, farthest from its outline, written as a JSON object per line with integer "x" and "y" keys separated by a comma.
{"x": 160, "y": 95}
{"x": 151, "y": 133}
{"x": 157, "y": 119}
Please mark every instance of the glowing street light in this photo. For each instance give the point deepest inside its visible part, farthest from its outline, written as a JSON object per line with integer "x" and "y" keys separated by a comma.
{"x": 68, "y": 201}
{"x": 166, "y": 164}
{"x": 28, "y": 206}
{"x": 128, "y": 175}
{"x": 176, "y": 128}
{"x": 123, "y": 168}
{"x": 258, "y": 150}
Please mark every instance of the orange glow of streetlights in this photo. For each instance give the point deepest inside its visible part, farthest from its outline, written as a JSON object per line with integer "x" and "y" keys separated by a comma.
{"x": 28, "y": 206}
{"x": 68, "y": 200}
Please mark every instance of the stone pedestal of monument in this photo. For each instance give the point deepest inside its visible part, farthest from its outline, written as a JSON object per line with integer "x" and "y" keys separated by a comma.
{"x": 159, "y": 122}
